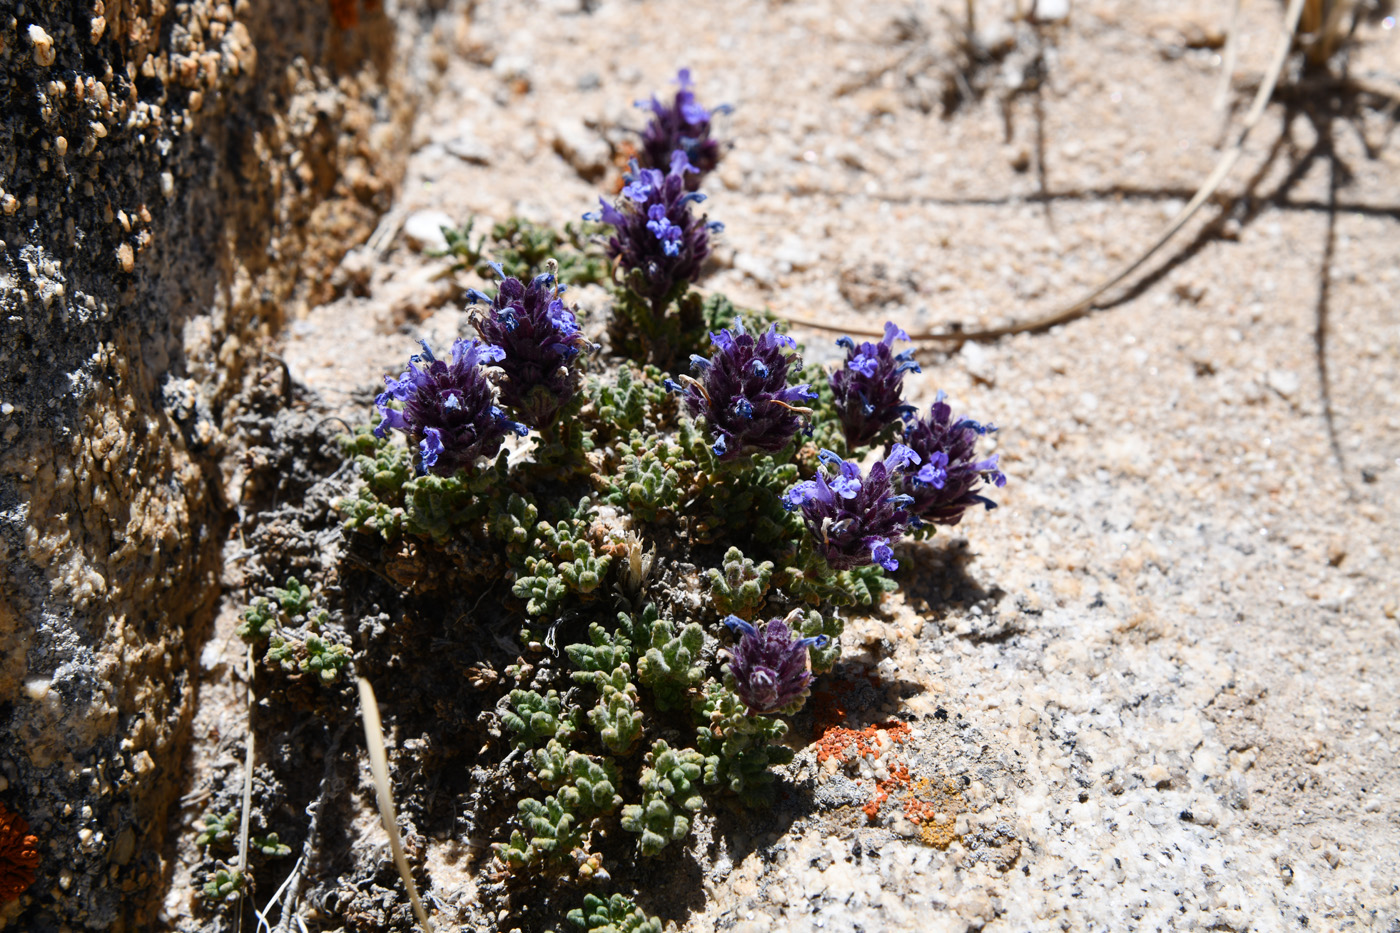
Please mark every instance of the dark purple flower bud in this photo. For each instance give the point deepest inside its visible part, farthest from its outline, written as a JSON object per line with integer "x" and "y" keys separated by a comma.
{"x": 869, "y": 388}
{"x": 951, "y": 475}
{"x": 743, "y": 392}
{"x": 449, "y": 409}
{"x": 539, "y": 339}
{"x": 853, "y": 519}
{"x": 684, "y": 125}
{"x": 770, "y": 667}
{"x": 654, "y": 230}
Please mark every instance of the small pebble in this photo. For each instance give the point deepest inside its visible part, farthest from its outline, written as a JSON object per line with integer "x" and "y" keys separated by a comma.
{"x": 423, "y": 230}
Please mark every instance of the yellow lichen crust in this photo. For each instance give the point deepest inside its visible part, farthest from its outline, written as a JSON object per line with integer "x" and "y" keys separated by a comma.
{"x": 934, "y": 808}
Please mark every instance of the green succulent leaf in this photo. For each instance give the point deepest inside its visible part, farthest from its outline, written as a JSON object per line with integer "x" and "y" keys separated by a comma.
{"x": 513, "y": 524}
{"x": 617, "y": 914}
{"x": 670, "y": 666}
{"x": 741, "y": 588}
{"x": 615, "y": 718}
{"x": 534, "y": 719}
{"x": 596, "y": 661}
{"x": 259, "y": 620}
{"x": 215, "y": 830}
{"x": 670, "y": 784}
{"x": 738, "y": 749}
{"x": 295, "y": 599}
{"x": 324, "y": 660}
{"x": 284, "y": 651}
{"x": 270, "y": 845}
{"x": 225, "y": 885}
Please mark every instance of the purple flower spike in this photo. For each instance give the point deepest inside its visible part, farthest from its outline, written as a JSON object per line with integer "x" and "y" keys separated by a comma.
{"x": 770, "y": 667}
{"x": 449, "y": 409}
{"x": 854, "y": 519}
{"x": 682, "y": 124}
{"x": 869, "y": 388}
{"x": 951, "y": 477}
{"x": 538, "y": 339}
{"x": 654, "y": 230}
{"x": 743, "y": 392}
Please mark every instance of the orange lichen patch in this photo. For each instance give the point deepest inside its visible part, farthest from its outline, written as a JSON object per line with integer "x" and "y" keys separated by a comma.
{"x": 873, "y": 805}
{"x": 849, "y": 744}
{"x": 933, "y": 809}
{"x": 916, "y": 809}
{"x": 896, "y": 782}
{"x": 919, "y": 811}
{"x": 19, "y": 855}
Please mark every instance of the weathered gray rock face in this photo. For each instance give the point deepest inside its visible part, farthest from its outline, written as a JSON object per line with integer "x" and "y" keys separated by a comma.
{"x": 176, "y": 179}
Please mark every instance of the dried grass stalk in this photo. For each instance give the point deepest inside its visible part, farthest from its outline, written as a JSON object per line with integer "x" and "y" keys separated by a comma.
{"x": 379, "y": 767}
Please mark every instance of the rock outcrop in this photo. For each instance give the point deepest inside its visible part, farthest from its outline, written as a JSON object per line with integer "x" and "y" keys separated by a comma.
{"x": 176, "y": 181}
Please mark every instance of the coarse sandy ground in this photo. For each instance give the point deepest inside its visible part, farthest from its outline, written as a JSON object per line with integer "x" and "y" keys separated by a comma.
{"x": 1167, "y": 665}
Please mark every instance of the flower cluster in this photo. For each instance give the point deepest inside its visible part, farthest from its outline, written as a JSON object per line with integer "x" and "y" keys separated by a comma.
{"x": 855, "y": 519}
{"x": 538, "y": 339}
{"x": 654, "y": 231}
{"x": 951, "y": 475}
{"x": 684, "y": 125}
{"x": 869, "y": 388}
{"x": 19, "y": 855}
{"x": 449, "y": 409}
{"x": 743, "y": 391}
{"x": 620, "y": 465}
{"x": 770, "y": 667}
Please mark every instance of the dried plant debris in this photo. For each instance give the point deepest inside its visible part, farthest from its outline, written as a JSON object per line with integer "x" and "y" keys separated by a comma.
{"x": 940, "y": 67}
